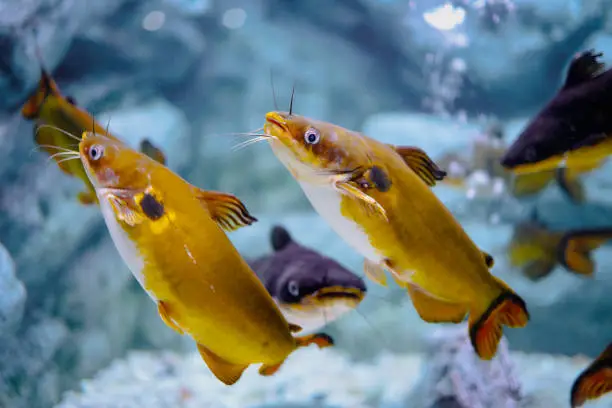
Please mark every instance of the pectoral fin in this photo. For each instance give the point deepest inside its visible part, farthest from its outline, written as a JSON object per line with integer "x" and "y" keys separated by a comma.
{"x": 226, "y": 209}
{"x": 354, "y": 192}
{"x": 163, "y": 313}
{"x": 421, "y": 164}
{"x": 433, "y": 310}
{"x": 226, "y": 372}
{"x": 570, "y": 184}
{"x": 375, "y": 272}
{"x": 152, "y": 151}
{"x": 124, "y": 209}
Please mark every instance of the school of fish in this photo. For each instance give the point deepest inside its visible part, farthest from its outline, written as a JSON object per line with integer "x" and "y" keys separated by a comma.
{"x": 376, "y": 196}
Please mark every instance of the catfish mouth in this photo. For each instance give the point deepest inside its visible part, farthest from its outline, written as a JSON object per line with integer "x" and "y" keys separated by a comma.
{"x": 339, "y": 293}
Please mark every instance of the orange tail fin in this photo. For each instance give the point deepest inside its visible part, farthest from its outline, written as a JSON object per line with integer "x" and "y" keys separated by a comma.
{"x": 594, "y": 381}
{"x": 46, "y": 86}
{"x": 574, "y": 250}
{"x": 508, "y": 309}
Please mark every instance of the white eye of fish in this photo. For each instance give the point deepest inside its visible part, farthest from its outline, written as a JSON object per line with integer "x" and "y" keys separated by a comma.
{"x": 312, "y": 136}
{"x": 294, "y": 288}
{"x": 96, "y": 151}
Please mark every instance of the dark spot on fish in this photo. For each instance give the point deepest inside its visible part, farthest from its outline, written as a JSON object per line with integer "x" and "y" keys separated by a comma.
{"x": 71, "y": 100}
{"x": 380, "y": 179}
{"x": 151, "y": 207}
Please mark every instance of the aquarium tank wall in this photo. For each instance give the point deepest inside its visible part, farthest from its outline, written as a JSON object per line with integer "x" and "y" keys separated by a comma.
{"x": 322, "y": 203}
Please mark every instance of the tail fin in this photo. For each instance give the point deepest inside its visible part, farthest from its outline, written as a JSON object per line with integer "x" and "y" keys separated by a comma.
{"x": 322, "y": 340}
{"x": 507, "y": 309}
{"x": 574, "y": 250}
{"x": 595, "y": 381}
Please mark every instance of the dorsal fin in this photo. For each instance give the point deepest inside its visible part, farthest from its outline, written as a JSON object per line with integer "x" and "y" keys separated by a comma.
{"x": 421, "y": 164}
{"x": 279, "y": 238}
{"x": 584, "y": 67}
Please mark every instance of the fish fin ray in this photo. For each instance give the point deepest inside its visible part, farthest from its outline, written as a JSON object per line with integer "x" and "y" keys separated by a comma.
{"x": 421, "y": 164}
{"x": 571, "y": 186}
{"x": 354, "y": 192}
{"x": 434, "y": 310}
{"x": 507, "y": 309}
{"x": 375, "y": 272}
{"x": 166, "y": 318}
{"x": 226, "y": 209}
{"x": 225, "y": 371}
{"x": 574, "y": 250}
{"x": 154, "y": 152}
{"x": 122, "y": 207}
{"x": 584, "y": 67}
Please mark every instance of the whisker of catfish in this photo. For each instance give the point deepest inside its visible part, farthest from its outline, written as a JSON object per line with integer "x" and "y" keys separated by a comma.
{"x": 70, "y": 135}
{"x": 63, "y": 154}
{"x": 248, "y": 143}
{"x": 65, "y": 159}
{"x": 39, "y": 148}
{"x": 249, "y": 133}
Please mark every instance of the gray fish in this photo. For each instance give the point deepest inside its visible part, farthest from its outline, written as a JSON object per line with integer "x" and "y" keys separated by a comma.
{"x": 310, "y": 289}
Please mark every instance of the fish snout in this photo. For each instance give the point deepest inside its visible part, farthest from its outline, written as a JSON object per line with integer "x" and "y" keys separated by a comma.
{"x": 277, "y": 119}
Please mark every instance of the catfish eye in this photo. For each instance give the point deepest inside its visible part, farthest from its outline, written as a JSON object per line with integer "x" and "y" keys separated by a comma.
{"x": 96, "y": 151}
{"x": 312, "y": 136}
{"x": 293, "y": 288}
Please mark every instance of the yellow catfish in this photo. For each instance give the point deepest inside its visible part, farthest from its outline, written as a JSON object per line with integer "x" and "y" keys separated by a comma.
{"x": 378, "y": 198}
{"x": 57, "y": 118}
{"x": 170, "y": 234}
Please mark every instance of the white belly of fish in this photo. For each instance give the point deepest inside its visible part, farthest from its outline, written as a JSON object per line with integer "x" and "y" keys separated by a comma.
{"x": 126, "y": 248}
{"x": 312, "y": 320}
{"x": 326, "y": 201}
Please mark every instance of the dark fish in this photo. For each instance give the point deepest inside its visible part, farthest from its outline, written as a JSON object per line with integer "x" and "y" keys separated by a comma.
{"x": 538, "y": 250}
{"x": 595, "y": 381}
{"x": 311, "y": 290}
{"x": 573, "y": 129}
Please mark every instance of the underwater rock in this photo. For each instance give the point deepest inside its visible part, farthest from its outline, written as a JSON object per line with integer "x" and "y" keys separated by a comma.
{"x": 455, "y": 377}
{"x": 49, "y": 25}
{"x": 27, "y": 357}
{"x": 309, "y": 378}
{"x": 13, "y": 295}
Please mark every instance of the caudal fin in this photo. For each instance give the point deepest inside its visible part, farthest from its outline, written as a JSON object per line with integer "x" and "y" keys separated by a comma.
{"x": 322, "y": 340}
{"x": 594, "y": 381}
{"x": 508, "y": 309}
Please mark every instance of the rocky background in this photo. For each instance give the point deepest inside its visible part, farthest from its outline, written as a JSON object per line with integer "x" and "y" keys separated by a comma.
{"x": 187, "y": 73}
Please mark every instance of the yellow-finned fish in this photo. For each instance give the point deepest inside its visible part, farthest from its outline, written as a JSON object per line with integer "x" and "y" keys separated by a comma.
{"x": 574, "y": 129}
{"x": 538, "y": 250}
{"x": 57, "y": 118}
{"x": 594, "y": 381}
{"x": 170, "y": 234}
{"x": 378, "y": 198}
